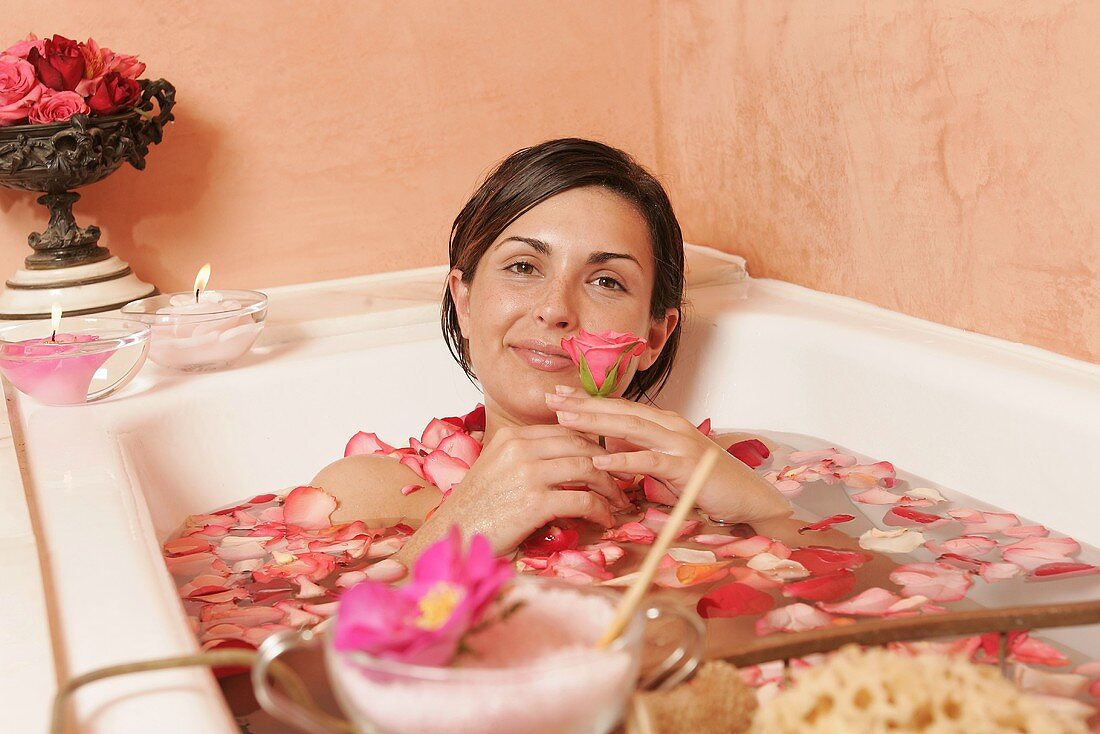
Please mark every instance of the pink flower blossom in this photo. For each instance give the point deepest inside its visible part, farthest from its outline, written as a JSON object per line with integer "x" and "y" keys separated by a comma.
{"x": 18, "y": 110}
{"x": 600, "y": 358}
{"x": 22, "y": 48}
{"x": 424, "y": 621}
{"x": 17, "y": 79}
{"x": 58, "y": 107}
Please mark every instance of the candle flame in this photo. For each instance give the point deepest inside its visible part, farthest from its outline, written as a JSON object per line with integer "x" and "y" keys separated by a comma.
{"x": 201, "y": 280}
{"x": 55, "y": 320}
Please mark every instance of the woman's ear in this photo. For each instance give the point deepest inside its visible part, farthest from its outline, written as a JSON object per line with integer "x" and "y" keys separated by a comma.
{"x": 659, "y": 332}
{"x": 460, "y": 294}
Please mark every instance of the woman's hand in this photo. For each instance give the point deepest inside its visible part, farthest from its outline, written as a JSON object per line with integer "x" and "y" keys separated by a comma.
{"x": 667, "y": 447}
{"x": 516, "y": 487}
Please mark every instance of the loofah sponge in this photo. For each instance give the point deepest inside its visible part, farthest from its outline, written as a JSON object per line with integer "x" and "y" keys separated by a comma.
{"x": 715, "y": 701}
{"x": 877, "y": 690}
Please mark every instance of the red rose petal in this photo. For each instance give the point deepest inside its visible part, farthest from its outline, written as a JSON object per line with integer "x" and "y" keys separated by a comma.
{"x": 827, "y": 523}
{"x": 752, "y": 452}
{"x": 732, "y": 600}
{"x": 1062, "y": 569}
{"x": 822, "y": 588}
{"x": 820, "y": 560}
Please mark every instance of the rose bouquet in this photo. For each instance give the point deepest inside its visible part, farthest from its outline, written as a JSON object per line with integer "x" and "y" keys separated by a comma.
{"x": 48, "y": 80}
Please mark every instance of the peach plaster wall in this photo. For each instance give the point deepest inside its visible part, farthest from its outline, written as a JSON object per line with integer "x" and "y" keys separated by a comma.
{"x": 934, "y": 158}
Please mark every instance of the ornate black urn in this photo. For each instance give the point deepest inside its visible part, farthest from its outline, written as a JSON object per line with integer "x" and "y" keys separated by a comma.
{"x": 68, "y": 265}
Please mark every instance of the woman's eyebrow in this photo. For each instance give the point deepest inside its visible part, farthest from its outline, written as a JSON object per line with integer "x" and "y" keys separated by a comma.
{"x": 595, "y": 258}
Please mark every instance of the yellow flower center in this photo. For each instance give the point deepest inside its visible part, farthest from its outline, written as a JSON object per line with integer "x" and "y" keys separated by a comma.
{"x": 437, "y": 605}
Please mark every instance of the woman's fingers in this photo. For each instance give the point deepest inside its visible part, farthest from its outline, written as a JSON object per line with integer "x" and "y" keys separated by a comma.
{"x": 581, "y": 403}
{"x": 639, "y": 431}
{"x": 579, "y": 471}
{"x": 662, "y": 466}
{"x": 565, "y": 503}
{"x": 565, "y": 443}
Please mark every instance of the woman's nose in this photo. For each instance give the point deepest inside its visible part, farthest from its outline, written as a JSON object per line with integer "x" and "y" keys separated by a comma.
{"x": 556, "y": 307}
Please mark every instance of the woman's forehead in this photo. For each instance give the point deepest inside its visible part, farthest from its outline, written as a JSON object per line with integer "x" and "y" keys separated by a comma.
{"x": 583, "y": 221}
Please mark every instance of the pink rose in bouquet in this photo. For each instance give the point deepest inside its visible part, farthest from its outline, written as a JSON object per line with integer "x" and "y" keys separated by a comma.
{"x": 20, "y": 90}
{"x": 602, "y": 358}
{"x": 423, "y": 622}
{"x": 58, "y": 107}
{"x": 22, "y": 48}
{"x": 60, "y": 65}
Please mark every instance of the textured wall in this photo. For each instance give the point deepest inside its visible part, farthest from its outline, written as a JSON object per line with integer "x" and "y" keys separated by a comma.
{"x": 326, "y": 139}
{"x": 940, "y": 159}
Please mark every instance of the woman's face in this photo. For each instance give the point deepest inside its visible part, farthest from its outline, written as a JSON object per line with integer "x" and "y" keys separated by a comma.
{"x": 579, "y": 260}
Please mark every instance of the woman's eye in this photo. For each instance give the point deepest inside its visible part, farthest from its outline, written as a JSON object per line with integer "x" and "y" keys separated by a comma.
{"x": 522, "y": 268}
{"x": 606, "y": 281}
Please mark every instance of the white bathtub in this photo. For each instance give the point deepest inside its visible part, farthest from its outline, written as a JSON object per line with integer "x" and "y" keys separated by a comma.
{"x": 108, "y": 482}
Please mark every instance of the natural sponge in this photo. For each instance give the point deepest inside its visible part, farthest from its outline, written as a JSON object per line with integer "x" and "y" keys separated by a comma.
{"x": 715, "y": 701}
{"x": 876, "y": 690}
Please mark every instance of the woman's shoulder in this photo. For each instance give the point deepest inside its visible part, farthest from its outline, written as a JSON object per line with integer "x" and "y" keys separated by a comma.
{"x": 370, "y": 486}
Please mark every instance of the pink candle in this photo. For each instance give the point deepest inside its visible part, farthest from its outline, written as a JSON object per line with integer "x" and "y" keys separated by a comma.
{"x": 55, "y": 370}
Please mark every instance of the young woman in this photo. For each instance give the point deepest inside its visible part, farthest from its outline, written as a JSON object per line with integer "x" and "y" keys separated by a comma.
{"x": 570, "y": 234}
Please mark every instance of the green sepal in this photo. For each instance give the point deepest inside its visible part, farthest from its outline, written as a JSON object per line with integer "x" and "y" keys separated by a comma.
{"x": 587, "y": 382}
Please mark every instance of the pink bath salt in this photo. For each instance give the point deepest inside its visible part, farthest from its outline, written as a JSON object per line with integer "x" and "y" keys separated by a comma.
{"x": 536, "y": 672}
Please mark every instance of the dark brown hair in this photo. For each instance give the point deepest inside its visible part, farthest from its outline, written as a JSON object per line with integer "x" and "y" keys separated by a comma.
{"x": 532, "y": 175}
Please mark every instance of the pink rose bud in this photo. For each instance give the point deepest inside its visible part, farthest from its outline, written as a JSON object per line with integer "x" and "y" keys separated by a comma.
{"x": 602, "y": 358}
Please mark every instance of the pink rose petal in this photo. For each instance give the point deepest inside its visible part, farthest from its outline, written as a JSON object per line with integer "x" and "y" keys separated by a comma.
{"x": 984, "y": 522}
{"x": 1062, "y": 569}
{"x": 654, "y": 519}
{"x": 309, "y": 508}
{"x": 410, "y": 488}
{"x": 366, "y": 443}
{"x": 968, "y": 546}
{"x": 877, "y": 496}
{"x": 444, "y": 471}
{"x": 820, "y": 560}
{"x": 656, "y": 491}
{"x": 908, "y": 517}
{"x": 796, "y": 617}
{"x": 936, "y": 581}
{"x": 827, "y": 523}
{"x": 1030, "y": 553}
{"x": 732, "y": 600}
{"x": 875, "y": 602}
{"x": 461, "y": 446}
{"x": 993, "y": 572}
{"x": 631, "y": 532}
{"x": 1026, "y": 531}
{"x": 827, "y": 587}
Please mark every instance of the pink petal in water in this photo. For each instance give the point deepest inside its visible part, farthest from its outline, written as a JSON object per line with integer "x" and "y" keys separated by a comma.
{"x": 410, "y": 488}
{"x": 751, "y": 452}
{"x": 874, "y": 602}
{"x": 796, "y": 617}
{"x": 654, "y": 519}
{"x": 877, "y": 496}
{"x": 733, "y": 600}
{"x": 309, "y": 508}
{"x": 827, "y": 523}
{"x": 994, "y": 572}
{"x": 1026, "y": 531}
{"x": 1059, "y": 569}
{"x": 1030, "y": 553}
{"x": 936, "y": 581}
{"x": 827, "y": 587}
{"x": 908, "y": 517}
{"x": 969, "y": 546}
{"x": 984, "y": 522}
{"x": 819, "y": 560}
{"x": 656, "y": 491}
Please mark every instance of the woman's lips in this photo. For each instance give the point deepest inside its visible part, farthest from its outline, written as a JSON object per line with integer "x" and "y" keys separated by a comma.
{"x": 541, "y": 360}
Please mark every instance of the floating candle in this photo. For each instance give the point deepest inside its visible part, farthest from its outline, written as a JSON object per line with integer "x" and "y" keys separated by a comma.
{"x": 60, "y": 369}
{"x": 202, "y": 329}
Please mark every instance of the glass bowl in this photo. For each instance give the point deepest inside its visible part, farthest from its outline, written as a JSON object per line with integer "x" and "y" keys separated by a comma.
{"x": 203, "y": 335}
{"x": 91, "y": 358}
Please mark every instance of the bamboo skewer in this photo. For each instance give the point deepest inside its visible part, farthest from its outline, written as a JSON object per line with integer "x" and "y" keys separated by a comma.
{"x": 633, "y": 597}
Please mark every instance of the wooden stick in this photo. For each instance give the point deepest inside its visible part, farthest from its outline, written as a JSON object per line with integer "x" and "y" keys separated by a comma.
{"x": 633, "y": 597}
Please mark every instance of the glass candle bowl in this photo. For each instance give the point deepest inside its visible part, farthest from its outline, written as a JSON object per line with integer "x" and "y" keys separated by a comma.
{"x": 201, "y": 334}
{"x": 90, "y": 358}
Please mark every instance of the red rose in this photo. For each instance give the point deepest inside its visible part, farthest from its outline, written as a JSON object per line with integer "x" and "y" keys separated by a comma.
{"x": 60, "y": 65}
{"x": 113, "y": 93}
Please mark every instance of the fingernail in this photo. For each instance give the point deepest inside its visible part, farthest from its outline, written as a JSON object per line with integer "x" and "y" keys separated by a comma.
{"x": 567, "y": 416}
{"x": 565, "y": 389}
{"x": 600, "y": 461}
{"x": 553, "y": 399}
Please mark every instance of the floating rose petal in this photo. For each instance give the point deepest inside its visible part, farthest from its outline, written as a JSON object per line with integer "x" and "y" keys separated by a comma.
{"x": 786, "y": 487}
{"x": 745, "y": 547}
{"x": 295, "y": 616}
{"x": 877, "y": 496}
{"x": 925, "y": 493}
{"x": 1026, "y": 531}
{"x": 875, "y": 602}
{"x": 692, "y": 555}
{"x": 604, "y": 553}
{"x": 994, "y": 572}
{"x": 984, "y": 522}
{"x": 902, "y": 540}
{"x": 827, "y": 523}
{"x": 822, "y": 588}
{"x": 1023, "y": 648}
{"x": 309, "y": 508}
{"x": 752, "y": 578}
{"x": 704, "y": 428}
{"x": 234, "y": 548}
{"x": 733, "y": 600}
{"x": 967, "y": 546}
{"x": 196, "y": 564}
{"x": 776, "y": 568}
{"x": 676, "y": 574}
{"x": 550, "y": 540}
{"x": 654, "y": 519}
{"x": 936, "y": 581}
{"x": 307, "y": 589}
{"x": 820, "y": 560}
{"x": 812, "y": 457}
{"x": 908, "y": 517}
{"x": 324, "y": 609}
{"x": 865, "y": 476}
{"x": 188, "y": 544}
{"x": 1062, "y": 569}
{"x": 387, "y": 571}
{"x": 387, "y": 547}
{"x": 796, "y": 617}
{"x": 414, "y": 462}
{"x": 711, "y": 539}
{"x": 1030, "y": 553}
{"x": 962, "y": 563}
{"x": 366, "y": 443}
{"x": 630, "y": 532}
{"x": 250, "y": 616}
{"x": 350, "y": 578}
{"x": 575, "y": 567}
{"x": 656, "y": 491}
{"x": 751, "y": 452}
{"x": 410, "y": 488}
